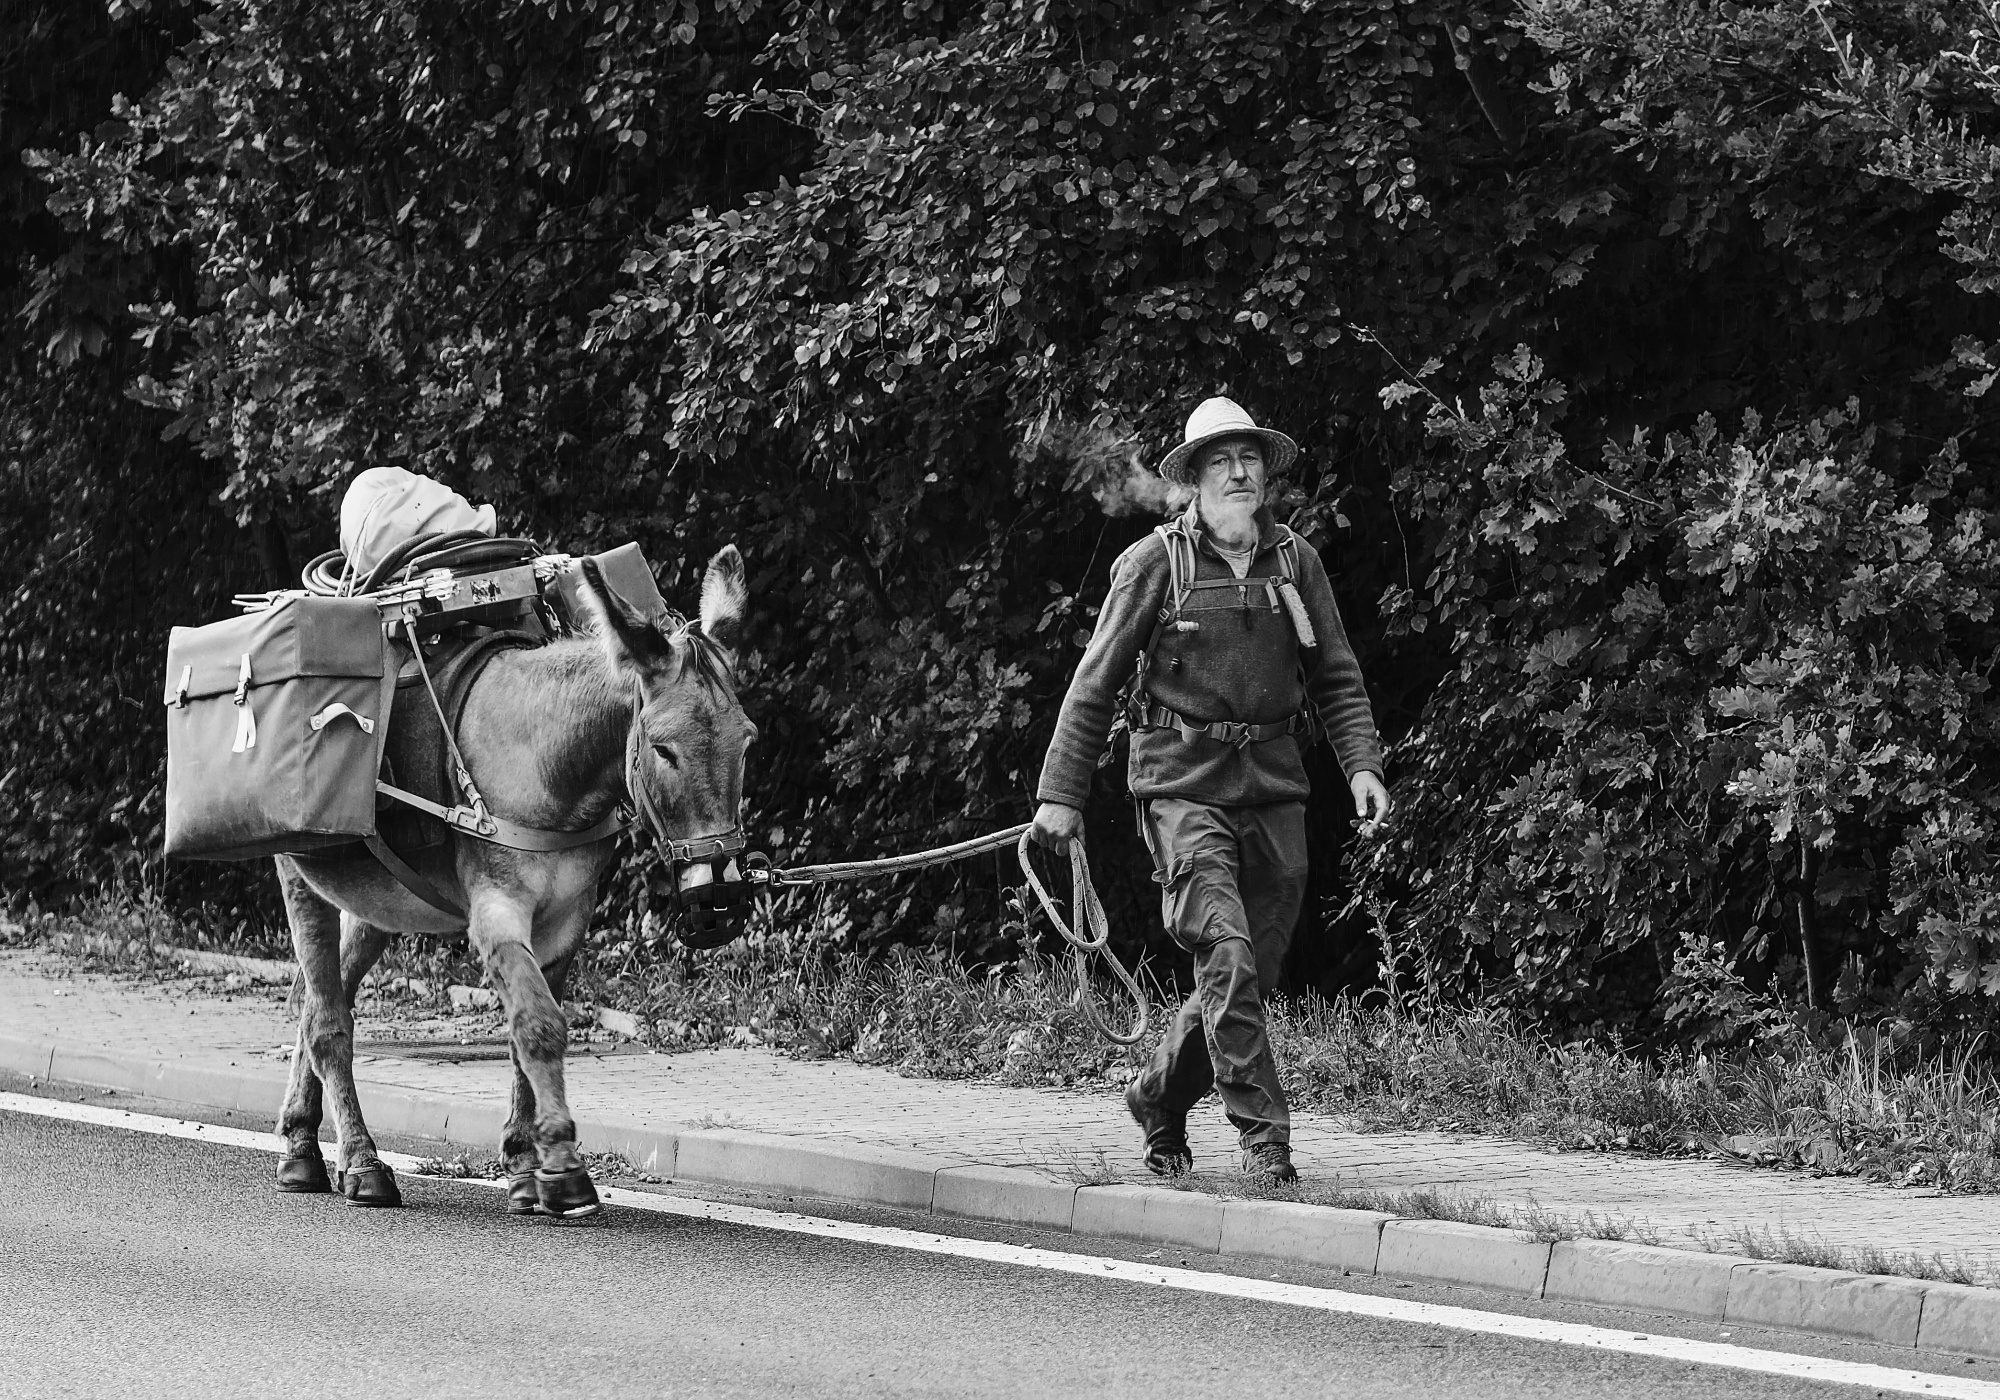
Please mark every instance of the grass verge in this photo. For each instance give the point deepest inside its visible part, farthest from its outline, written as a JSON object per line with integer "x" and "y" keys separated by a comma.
{"x": 1851, "y": 1103}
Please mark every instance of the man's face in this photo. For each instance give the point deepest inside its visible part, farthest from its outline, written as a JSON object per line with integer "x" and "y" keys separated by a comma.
{"x": 1230, "y": 474}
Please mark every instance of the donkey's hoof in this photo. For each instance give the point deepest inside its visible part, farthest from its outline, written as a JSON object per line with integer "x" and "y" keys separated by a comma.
{"x": 372, "y": 1185}
{"x": 567, "y": 1195}
{"x": 304, "y": 1174}
{"x": 522, "y": 1196}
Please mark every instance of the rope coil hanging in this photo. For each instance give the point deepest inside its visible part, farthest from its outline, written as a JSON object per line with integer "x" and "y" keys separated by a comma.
{"x": 1083, "y": 892}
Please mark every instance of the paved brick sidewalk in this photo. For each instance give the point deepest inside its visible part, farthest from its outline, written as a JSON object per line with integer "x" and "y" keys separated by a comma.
{"x": 43, "y": 998}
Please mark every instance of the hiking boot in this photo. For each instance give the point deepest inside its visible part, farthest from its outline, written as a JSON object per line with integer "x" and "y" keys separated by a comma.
{"x": 1167, "y": 1152}
{"x": 1270, "y": 1160}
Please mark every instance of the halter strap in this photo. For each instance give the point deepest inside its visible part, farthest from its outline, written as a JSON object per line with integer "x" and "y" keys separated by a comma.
{"x": 687, "y": 850}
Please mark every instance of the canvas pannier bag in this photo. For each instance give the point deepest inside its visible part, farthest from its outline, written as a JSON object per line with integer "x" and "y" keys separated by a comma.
{"x": 626, "y": 575}
{"x": 275, "y": 726}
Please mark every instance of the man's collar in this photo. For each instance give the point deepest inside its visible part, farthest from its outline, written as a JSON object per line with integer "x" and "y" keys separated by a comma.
{"x": 1267, "y": 526}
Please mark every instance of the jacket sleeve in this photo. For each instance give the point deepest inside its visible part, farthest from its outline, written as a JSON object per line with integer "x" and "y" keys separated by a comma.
{"x": 1334, "y": 687}
{"x": 1124, "y": 627}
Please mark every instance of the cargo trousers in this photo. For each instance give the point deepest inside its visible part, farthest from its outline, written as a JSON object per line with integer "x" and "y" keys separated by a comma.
{"x": 1232, "y": 880}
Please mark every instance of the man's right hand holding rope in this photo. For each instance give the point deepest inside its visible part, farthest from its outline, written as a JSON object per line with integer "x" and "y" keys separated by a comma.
{"x": 1056, "y": 825}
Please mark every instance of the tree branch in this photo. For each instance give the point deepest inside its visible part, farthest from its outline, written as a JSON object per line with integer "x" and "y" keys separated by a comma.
{"x": 1479, "y": 77}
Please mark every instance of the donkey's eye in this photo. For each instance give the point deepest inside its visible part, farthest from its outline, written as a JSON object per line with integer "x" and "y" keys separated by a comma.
{"x": 666, "y": 752}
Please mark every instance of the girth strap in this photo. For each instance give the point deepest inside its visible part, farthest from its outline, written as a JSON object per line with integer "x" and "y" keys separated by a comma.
{"x": 411, "y": 879}
{"x": 484, "y": 826}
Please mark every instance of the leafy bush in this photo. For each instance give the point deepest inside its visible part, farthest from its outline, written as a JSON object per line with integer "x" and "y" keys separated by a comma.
{"x": 1716, "y": 686}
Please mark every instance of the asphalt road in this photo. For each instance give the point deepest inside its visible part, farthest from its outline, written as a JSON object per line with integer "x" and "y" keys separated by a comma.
{"x": 136, "y": 1265}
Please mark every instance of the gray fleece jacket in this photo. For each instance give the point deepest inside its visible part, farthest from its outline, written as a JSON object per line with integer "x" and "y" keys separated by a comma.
{"x": 1239, "y": 661}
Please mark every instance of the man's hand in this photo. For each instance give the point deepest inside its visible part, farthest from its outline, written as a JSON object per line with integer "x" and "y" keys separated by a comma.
{"x": 1057, "y": 825}
{"x": 1371, "y": 803}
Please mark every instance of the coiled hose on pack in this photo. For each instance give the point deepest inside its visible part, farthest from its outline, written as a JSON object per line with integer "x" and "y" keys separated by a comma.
{"x": 329, "y": 575}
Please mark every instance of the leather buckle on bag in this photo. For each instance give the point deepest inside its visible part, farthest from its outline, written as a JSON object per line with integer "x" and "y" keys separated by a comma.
{"x": 181, "y": 690}
{"x": 242, "y": 681}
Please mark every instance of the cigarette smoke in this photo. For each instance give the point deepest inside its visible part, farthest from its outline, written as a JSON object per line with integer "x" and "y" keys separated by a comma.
{"x": 1107, "y": 464}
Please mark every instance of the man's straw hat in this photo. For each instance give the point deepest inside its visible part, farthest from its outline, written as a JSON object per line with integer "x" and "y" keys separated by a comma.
{"x": 1224, "y": 418}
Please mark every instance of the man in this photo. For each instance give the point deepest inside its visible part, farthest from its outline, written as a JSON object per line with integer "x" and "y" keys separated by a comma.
{"x": 1221, "y": 636}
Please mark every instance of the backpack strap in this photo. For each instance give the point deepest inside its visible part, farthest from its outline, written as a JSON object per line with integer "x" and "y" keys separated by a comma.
{"x": 1288, "y": 554}
{"x": 1180, "y": 580}
{"x": 1180, "y": 568}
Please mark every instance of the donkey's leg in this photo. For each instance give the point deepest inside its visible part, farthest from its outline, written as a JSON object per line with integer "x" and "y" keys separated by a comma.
{"x": 517, "y": 1142}
{"x": 361, "y": 947}
{"x": 303, "y": 1168}
{"x": 327, "y": 1037}
{"x": 502, "y": 930}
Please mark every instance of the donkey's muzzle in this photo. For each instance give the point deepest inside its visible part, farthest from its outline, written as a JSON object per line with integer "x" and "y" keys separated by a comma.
{"x": 715, "y": 913}
{"x": 710, "y": 896}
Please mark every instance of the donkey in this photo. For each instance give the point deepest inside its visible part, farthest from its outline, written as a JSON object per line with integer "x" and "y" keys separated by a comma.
{"x": 558, "y": 737}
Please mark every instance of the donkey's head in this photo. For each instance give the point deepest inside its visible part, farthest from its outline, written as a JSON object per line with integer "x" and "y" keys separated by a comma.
{"x": 685, "y": 753}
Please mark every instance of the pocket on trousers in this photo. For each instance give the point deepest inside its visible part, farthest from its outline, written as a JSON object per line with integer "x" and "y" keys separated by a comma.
{"x": 1173, "y": 882}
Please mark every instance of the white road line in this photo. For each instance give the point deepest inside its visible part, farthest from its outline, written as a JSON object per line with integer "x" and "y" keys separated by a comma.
{"x": 1811, "y": 1368}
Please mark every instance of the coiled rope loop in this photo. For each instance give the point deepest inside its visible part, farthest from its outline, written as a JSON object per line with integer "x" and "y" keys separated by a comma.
{"x": 1084, "y": 896}
{"x": 330, "y": 574}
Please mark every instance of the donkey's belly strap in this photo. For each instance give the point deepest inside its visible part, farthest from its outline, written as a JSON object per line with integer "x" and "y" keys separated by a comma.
{"x": 412, "y": 879}
{"x": 484, "y": 826}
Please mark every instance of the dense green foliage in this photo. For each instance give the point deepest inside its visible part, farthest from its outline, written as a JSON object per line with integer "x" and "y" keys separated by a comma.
{"x": 1726, "y": 669}
{"x": 108, "y": 536}
{"x": 901, "y": 296}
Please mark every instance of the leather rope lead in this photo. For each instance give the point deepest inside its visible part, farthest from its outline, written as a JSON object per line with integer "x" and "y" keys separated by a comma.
{"x": 1084, "y": 895}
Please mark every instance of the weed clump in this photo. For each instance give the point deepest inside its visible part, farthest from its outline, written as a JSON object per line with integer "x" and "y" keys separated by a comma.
{"x": 1849, "y": 1103}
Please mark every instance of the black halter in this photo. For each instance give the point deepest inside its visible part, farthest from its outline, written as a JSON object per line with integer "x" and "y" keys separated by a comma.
{"x": 710, "y": 915}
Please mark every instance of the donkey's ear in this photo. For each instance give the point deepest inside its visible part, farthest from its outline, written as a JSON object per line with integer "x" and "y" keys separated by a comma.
{"x": 631, "y": 642}
{"x": 725, "y": 597}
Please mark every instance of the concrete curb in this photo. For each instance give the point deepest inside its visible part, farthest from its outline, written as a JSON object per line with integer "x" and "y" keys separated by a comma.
{"x": 1898, "y": 1312}
{"x": 1443, "y": 1251}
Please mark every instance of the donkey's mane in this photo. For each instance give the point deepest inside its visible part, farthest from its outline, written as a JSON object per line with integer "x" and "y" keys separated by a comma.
{"x": 706, "y": 656}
